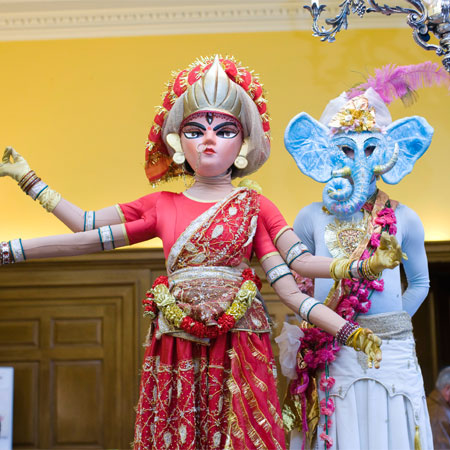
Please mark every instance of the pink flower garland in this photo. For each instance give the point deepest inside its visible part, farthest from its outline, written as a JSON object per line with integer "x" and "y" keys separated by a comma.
{"x": 319, "y": 348}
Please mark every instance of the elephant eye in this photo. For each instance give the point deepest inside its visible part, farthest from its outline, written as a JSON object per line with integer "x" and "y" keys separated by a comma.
{"x": 349, "y": 152}
{"x": 369, "y": 150}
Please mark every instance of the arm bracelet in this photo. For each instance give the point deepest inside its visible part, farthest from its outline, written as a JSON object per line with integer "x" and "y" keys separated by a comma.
{"x": 277, "y": 272}
{"x": 11, "y": 252}
{"x": 294, "y": 252}
{"x": 106, "y": 238}
{"x": 89, "y": 221}
{"x": 306, "y": 306}
{"x": 345, "y": 332}
{"x": 5, "y": 254}
{"x": 32, "y": 185}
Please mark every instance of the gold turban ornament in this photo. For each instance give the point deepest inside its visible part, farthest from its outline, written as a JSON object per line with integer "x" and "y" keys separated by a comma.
{"x": 213, "y": 92}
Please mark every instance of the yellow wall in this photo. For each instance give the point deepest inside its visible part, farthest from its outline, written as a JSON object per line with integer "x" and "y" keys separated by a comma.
{"x": 79, "y": 111}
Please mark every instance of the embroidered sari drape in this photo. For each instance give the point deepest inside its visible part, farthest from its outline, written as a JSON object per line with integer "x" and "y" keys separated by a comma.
{"x": 220, "y": 393}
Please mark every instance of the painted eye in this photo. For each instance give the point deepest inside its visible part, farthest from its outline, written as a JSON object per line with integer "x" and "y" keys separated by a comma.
{"x": 227, "y": 134}
{"x": 348, "y": 151}
{"x": 369, "y": 150}
{"x": 192, "y": 134}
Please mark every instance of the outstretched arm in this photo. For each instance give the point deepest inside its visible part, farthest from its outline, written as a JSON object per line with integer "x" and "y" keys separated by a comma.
{"x": 299, "y": 259}
{"x": 318, "y": 314}
{"x": 16, "y": 167}
{"x": 105, "y": 238}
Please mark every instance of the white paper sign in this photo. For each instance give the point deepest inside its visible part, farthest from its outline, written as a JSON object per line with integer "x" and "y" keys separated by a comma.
{"x": 6, "y": 407}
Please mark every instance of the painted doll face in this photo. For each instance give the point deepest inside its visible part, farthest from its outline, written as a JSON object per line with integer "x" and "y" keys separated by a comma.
{"x": 211, "y": 142}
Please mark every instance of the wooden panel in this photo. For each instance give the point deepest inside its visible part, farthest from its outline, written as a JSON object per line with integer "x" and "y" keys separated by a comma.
{"x": 78, "y": 404}
{"x": 76, "y": 332}
{"x": 19, "y": 333}
{"x": 84, "y": 320}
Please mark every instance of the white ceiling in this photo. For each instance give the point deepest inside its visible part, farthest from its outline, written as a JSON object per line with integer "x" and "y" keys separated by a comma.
{"x": 60, "y": 19}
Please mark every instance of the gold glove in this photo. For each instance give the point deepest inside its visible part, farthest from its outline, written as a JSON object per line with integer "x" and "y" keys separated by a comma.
{"x": 363, "y": 339}
{"x": 339, "y": 268}
{"x": 16, "y": 169}
{"x": 388, "y": 255}
{"x": 21, "y": 172}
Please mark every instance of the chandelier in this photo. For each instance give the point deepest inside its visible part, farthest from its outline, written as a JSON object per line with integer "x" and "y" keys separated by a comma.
{"x": 426, "y": 18}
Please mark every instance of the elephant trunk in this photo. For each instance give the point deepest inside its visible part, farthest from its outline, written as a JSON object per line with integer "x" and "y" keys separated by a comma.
{"x": 343, "y": 198}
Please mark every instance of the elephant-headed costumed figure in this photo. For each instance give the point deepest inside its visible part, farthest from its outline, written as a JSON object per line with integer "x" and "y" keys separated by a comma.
{"x": 353, "y": 144}
{"x": 208, "y": 378}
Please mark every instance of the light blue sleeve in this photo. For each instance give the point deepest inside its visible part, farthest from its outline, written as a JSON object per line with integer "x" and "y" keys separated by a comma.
{"x": 416, "y": 267}
{"x": 304, "y": 227}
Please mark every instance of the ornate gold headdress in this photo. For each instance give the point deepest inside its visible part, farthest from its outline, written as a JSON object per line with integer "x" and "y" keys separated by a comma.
{"x": 355, "y": 115}
{"x": 213, "y": 92}
{"x": 158, "y": 162}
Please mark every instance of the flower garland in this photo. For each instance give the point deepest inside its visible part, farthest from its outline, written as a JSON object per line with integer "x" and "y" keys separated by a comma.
{"x": 160, "y": 298}
{"x": 318, "y": 348}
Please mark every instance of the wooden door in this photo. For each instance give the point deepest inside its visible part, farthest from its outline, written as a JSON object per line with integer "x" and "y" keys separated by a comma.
{"x": 73, "y": 332}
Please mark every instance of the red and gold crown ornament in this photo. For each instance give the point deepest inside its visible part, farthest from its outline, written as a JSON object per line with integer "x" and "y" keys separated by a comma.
{"x": 158, "y": 161}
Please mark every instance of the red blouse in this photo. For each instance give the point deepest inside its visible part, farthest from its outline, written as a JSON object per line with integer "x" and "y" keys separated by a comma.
{"x": 167, "y": 214}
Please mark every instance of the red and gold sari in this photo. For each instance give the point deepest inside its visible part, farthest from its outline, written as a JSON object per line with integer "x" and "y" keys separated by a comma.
{"x": 220, "y": 393}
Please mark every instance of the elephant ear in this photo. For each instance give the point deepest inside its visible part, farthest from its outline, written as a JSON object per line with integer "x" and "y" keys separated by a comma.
{"x": 413, "y": 137}
{"x": 307, "y": 141}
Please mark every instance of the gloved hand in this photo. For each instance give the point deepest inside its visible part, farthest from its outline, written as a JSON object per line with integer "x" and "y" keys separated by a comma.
{"x": 388, "y": 255}
{"x": 364, "y": 340}
{"x": 16, "y": 169}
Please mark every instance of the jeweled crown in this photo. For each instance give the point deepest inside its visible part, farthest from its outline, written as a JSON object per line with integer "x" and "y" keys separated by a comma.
{"x": 213, "y": 92}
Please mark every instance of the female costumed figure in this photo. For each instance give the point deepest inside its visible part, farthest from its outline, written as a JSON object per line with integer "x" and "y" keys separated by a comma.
{"x": 208, "y": 373}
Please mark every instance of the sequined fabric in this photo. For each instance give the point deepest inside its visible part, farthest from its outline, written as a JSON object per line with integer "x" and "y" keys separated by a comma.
{"x": 199, "y": 394}
{"x": 196, "y": 397}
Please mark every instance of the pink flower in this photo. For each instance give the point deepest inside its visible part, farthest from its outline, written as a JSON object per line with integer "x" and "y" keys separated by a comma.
{"x": 365, "y": 255}
{"x": 377, "y": 285}
{"x": 328, "y": 440}
{"x": 327, "y": 407}
{"x": 386, "y": 217}
{"x": 362, "y": 293}
{"x": 326, "y": 383}
{"x": 364, "y": 307}
{"x": 375, "y": 240}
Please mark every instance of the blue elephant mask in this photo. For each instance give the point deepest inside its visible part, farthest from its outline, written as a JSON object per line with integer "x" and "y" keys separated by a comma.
{"x": 349, "y": 161}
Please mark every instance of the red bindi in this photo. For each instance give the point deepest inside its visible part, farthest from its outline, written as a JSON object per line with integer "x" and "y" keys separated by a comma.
{"x": 209, "y": 128}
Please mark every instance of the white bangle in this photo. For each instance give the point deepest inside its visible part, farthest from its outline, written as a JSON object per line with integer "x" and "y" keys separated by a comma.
{"x": 277, "y": 272}
{"x": 106, "y": 238}
{"x": 37, "y": 190}
{"x": 89, "y": 220}
{"x": 17, "y": 250}
{"x": 294, "y": 252}
{"x": 306, "y": 306}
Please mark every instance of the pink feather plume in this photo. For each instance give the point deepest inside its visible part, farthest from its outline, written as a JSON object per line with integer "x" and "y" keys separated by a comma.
{"x": 392, "y": 82}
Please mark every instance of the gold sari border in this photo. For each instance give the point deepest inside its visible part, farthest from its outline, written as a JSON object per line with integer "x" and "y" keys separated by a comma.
{"x": 121, "y": 214}
{"x": 125, "y": 235}
{"x": 268, "y": 255}
{"x": 284, "y": 229}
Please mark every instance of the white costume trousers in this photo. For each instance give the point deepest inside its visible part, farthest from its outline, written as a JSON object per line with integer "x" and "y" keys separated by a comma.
{"x": 377, "y": 409}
